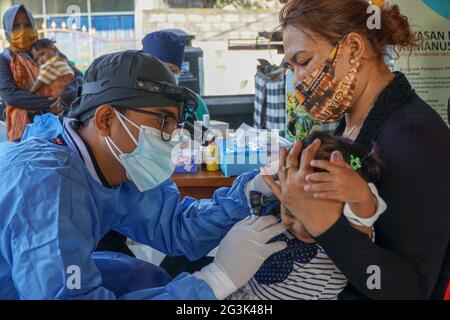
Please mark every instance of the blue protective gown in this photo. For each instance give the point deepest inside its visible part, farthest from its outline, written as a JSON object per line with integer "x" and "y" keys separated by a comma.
{"x": 53, "y": 213}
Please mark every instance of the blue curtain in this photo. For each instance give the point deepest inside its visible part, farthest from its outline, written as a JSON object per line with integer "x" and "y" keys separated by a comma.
{"x": 100, "y": 23}
{"x": 108, "y": 23}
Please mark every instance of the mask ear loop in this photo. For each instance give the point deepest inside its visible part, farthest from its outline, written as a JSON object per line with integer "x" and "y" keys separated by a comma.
{"x": 121, "y": 117}
{"x": 109, "y": 142}
{"x": 110, "y": 145}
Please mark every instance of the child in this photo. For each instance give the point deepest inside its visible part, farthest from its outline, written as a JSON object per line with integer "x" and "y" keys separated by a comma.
{"x": 303, "y": 271}
{"x": 54, "y": 70}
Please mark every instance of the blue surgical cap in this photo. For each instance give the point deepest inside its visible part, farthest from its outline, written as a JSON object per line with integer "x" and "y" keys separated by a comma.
{"x": 166, "y": 46}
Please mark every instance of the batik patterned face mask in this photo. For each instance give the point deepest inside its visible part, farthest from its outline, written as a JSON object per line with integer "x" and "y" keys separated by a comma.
{"x": 324, "y": 97}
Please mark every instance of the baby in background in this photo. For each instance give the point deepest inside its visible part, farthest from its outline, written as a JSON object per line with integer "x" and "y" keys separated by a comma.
{"x": 52, "y": 66}
{"x": 303, "y": 271}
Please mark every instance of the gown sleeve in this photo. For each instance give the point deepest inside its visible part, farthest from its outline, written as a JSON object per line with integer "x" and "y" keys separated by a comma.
{"x": 187, "y": 227}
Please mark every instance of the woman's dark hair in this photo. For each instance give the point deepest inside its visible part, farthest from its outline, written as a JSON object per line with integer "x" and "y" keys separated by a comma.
{"x": 331, "y": 20}
{"x": 370, "y": 162}
{"x": 44, "y": 44}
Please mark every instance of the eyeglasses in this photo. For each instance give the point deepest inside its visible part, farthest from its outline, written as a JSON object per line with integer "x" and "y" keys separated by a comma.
{"x": 168, "y": 124}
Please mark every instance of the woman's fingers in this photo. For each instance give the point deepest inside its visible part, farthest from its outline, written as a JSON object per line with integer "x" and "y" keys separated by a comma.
{"x": 307, "y": 156}
{"x": 273, "y": 185}
{"x": 54, "y": 106}
{"x": 320, "y": 177}
{"x": 281, "y": 171}
{"x": 331, "y": 195}
{"x": 326, "y": 165}
{"x": 293, "y": 159}
{"x": 320, "y": 187}
{"x": 283, "y": 156}
{"x": 337, "y": 159}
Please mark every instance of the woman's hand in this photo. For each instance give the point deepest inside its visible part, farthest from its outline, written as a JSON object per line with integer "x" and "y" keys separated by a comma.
{"x": 341, "y": 183}
{"x": 317, "y": 215}
{"x": 54, "y": 106}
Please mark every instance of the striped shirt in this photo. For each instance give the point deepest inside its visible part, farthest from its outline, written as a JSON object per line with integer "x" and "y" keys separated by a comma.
{"x": 54, "y": 68}
{"x": 318, "y": 279}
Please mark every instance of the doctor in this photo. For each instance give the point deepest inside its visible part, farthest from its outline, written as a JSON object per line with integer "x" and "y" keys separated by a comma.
{"x": 66, "y": 185}
{"x": 168, "y": 46}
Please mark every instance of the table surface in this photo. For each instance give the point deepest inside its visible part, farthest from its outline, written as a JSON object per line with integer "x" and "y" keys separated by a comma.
{"x": 202, "y": 178}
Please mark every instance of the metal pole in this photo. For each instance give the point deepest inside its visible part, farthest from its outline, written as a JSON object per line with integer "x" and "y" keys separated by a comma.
{"x": 44, "y": 14}
{"x": 91, "y": 43}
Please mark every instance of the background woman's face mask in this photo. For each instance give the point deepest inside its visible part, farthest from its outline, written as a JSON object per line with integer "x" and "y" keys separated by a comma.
{"x": 23, "y": 39}
{"x": 321, "y": 95}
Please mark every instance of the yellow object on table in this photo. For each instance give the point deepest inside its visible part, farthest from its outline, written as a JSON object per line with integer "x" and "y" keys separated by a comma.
{"x": 212, "y": 157}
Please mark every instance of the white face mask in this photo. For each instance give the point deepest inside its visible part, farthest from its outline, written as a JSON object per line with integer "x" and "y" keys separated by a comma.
{"x": 152, "y": 162}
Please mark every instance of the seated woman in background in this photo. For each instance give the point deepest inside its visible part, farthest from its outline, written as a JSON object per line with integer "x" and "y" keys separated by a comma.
{"x": 18, "y": 70}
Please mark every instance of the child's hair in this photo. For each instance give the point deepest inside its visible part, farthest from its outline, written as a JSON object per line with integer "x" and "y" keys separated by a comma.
{"x": 44, "y": 44}
{"x": 370, "y": 162}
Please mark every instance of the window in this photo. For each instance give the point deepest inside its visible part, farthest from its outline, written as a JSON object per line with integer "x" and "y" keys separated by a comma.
{"x": 191, "y": 3}
{"x": 61, "y": 6}
{"x": 35, "y": 6}
{"x": 112, "y": 5}
{"x": 38, "y": 22}
{"x": 225, "y": 69}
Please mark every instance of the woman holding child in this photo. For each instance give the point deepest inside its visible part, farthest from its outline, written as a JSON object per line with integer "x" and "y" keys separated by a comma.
{"x": 19, "y": 71}
{"x": 409, "y": 255}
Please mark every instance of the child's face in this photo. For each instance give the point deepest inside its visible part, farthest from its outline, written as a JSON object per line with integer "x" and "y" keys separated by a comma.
{"x": 42, "y": 55}
{"x": 295, "y": 226}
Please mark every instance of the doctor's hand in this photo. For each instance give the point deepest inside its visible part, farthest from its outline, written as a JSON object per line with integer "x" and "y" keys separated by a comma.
{"x": 241, "y": 253}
